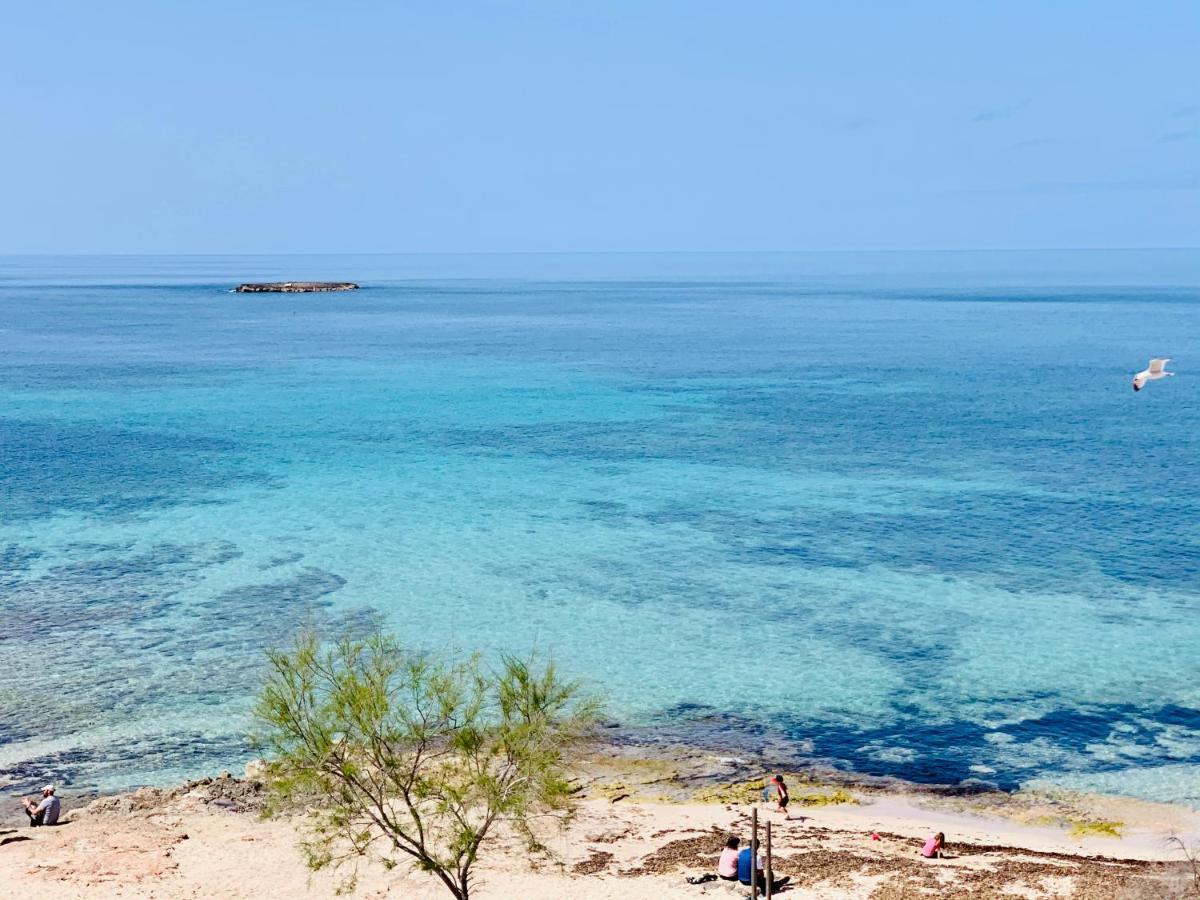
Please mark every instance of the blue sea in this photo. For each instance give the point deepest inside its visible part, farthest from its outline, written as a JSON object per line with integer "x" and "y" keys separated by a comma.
{"x": 897, "y": 513}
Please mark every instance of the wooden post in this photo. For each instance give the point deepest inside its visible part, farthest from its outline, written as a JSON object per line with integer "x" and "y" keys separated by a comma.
{"x": 767, "y": 873}
{"x": 754, "y": 854}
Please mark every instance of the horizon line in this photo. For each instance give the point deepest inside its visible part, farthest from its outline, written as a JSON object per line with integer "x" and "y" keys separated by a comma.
{"x": 840, "y": 250}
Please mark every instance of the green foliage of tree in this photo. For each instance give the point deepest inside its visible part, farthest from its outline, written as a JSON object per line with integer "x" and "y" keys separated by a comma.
{"x": 406, "y": 756}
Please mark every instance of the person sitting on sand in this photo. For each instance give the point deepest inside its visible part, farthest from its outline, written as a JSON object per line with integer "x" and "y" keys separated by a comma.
{"x": 743, "y": 871}
{"x": 934, "y": 847}
{"x": 45, "y": 812}
{"x": 781, "y": 794}
{"x": 727, "y": 865}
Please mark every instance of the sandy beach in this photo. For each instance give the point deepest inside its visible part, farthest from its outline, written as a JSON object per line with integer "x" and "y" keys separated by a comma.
{"x": 642, "y": 828}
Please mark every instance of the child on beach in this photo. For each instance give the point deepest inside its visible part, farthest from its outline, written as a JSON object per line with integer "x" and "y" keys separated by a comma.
{"x": 781, "y": 794}
{"x": 934, "y": 847}
{"x": 727, "y": 866}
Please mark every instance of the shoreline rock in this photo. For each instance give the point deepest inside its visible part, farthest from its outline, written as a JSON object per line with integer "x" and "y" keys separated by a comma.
{"x": 225, "y": 792}
{"x": 294, "y": 287}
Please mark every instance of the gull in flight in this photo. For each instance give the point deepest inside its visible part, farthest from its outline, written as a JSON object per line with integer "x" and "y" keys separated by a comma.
{"x": 1155, "y": 371}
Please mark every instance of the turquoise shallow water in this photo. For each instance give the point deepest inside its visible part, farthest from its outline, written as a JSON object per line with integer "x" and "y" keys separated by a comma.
{"x": 901, "y": 513}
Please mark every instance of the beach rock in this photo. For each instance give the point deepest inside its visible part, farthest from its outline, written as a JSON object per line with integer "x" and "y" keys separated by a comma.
{"x": 224, "y": 792}
{"x": 295, "y": 287}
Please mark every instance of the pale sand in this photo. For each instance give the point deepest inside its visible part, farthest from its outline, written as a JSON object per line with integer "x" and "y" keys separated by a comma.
{"x": 187, "y": 847}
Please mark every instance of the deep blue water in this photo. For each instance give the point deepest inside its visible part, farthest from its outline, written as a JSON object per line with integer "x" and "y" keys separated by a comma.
{"x": 898, "y": 512}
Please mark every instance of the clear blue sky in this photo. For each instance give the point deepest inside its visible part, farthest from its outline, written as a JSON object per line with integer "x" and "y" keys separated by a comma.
{"x": 293, "y": 126}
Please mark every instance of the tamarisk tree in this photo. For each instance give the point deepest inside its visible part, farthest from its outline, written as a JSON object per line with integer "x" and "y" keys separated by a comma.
{"x": 404, "y": 756}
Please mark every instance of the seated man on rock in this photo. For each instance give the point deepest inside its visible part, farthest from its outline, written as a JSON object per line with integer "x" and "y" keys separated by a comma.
{"x": 45, "y": 812}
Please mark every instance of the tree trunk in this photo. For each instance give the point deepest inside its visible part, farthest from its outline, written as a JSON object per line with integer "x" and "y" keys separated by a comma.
{"x": 453, "y": 885}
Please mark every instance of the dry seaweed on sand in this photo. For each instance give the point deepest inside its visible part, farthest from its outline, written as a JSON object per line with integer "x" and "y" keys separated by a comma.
{"x": 682, "y": 853}
{"x": 597, "y": 861}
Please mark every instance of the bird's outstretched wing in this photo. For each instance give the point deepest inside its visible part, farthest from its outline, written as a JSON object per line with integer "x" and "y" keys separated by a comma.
{"x": 1157, "y": 365}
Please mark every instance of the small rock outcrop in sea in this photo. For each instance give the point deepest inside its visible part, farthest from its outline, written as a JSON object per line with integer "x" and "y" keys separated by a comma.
{"x": 294, "y": 287}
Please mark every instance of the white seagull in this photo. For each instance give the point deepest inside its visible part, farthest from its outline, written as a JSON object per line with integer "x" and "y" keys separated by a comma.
{"x": 1155, "y": 371}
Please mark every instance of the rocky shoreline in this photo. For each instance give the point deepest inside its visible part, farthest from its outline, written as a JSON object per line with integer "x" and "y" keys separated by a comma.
{"x": 646, "y": 765}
